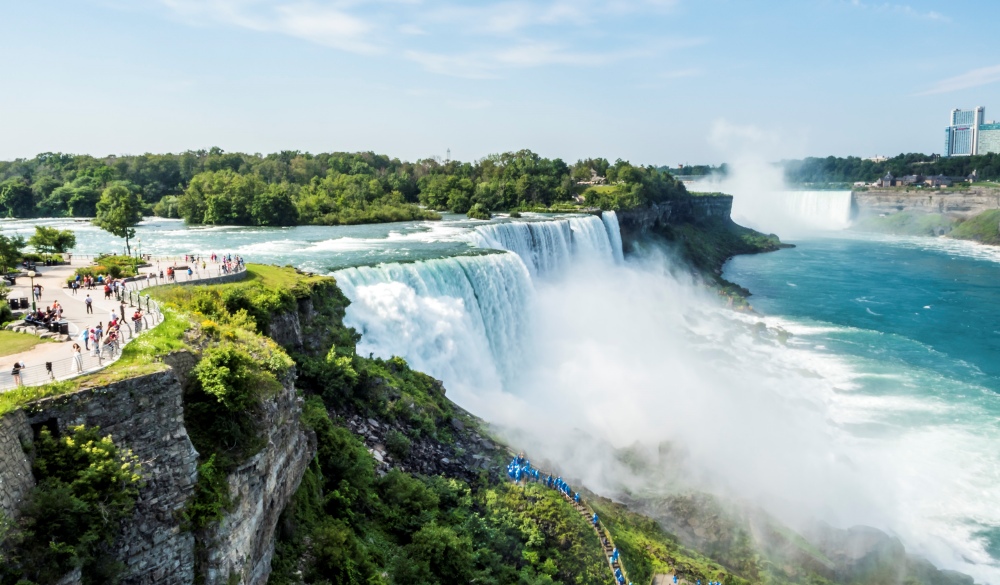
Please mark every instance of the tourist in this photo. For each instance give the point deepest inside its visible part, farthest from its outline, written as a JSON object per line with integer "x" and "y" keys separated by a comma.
{"x": 595, "y": 519}
{"x": 75, "y": 286}
{"x": 77, "y": 358}
{"x": 94, "y": 342}
{"x": 90, "y": 305}
{"x": 38, "y": 292}
{"x": 15, "y": 373}
{"x": 107, "y": 291}
{"x": 137, "y": 320}
{"x": 85, "y": 338}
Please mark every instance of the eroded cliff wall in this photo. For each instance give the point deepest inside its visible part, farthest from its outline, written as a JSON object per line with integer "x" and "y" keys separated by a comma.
{"x": 959, "y": 204}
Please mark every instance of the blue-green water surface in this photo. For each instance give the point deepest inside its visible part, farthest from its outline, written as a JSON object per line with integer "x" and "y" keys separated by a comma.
{"x": 916, "y": 324}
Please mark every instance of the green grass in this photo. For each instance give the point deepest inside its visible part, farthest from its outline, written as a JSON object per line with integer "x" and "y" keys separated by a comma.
{"x": 11, "y": 342}
{"x": 984, "y": 228}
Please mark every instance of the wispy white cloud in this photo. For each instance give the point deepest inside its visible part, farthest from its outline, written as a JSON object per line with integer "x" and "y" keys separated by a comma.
{"x": 448, "y": 37}
{"x": 329, "y": 24}
{"x": 900, "y": 9}
{"x": 967, "y": 80}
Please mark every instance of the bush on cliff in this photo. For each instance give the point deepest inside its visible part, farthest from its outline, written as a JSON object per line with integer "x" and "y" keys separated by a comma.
{"x": 86, "y": 487}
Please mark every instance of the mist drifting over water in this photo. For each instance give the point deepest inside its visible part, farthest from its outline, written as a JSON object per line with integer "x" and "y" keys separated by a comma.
{"x": 589, "y": 354}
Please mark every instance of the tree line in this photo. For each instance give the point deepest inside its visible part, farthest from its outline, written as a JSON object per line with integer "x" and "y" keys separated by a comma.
{"x": 852, "y": 169}
{"x": 292, "y": 187}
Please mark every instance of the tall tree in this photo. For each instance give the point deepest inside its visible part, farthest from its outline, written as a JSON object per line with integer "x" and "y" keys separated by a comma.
{"x": 10, "y": 251}
{"x": 49, "y": 240}
{"x": 118, "y": 212}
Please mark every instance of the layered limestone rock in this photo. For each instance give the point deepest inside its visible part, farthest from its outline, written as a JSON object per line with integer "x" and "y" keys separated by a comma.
{"x": 959, "y": 204}
{"x": 239, "y": 548}
{"x": 694, "y": 209}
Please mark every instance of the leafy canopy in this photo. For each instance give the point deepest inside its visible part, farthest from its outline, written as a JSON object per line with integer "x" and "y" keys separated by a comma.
{"x": 118, "y": 212}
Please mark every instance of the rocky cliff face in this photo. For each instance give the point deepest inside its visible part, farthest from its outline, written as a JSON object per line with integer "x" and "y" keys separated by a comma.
{"x": 239, "y": 548}
{"x": 959, "y": 204}
{"x": 638, "y": 222}
{"x": 144, "y": 414}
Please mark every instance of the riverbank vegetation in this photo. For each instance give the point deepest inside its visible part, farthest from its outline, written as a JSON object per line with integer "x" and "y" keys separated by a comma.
{"x": 847, "y": 170}
{"x": 291, "y": 188}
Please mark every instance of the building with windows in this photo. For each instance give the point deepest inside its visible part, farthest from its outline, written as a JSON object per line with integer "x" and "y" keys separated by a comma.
{"x": 962, "y": 134}
{"x": 989, "y": 138}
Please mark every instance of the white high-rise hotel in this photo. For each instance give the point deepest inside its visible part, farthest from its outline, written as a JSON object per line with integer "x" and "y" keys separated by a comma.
{"x": 969, "y": 134}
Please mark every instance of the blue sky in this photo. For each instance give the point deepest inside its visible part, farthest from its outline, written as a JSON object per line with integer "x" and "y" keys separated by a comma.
{"x": 651, "y": 81}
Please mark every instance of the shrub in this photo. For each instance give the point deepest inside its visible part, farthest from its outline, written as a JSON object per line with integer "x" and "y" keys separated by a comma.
{"x": 478, "y": 211}
{"x": 86, "y": 487}
{"x": 211, "y": 496}
{"x": 398, "y": 445}
{"x": 234, "y": 378}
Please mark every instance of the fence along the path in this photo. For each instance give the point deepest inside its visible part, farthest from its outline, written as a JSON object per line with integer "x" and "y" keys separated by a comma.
{"x": 61, "y": 369}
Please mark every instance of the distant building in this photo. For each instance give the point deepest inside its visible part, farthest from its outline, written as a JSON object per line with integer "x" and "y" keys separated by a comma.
{"x": 940, "y": 181}
{"x": 595, "y": 179}
{"x": 989, "y": 138}
{"x": 887, "y": 181}
{"x": 878, "y": 158}
{"x": 962, "y": 134}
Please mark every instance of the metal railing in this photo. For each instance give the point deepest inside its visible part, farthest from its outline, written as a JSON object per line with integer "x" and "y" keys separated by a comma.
{"x": 90, "y": 359}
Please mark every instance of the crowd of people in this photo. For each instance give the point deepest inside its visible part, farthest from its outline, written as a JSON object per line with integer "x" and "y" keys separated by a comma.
{"x": 520, "y": 469}
{"x": 104, "y": 340}
{"x": 43, "y": 318}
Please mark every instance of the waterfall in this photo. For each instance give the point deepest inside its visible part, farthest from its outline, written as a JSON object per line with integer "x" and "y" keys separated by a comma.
{"x": 547, "y": 246}
{"x": 610, "y": 219}
{"x": 459, "y": 319}
{"x": 828, "y": 210}
{"x": 792, "y": 212}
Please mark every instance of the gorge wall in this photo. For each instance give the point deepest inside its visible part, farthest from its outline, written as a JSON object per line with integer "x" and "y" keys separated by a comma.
{"x": 146, "y": 415}
{"x": 694, "y": 209}
{"x": 961, "y": 204}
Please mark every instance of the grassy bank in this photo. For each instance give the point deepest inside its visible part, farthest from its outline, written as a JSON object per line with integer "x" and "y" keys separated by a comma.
{"x": 908, "y": 223}
{"x": 984, "y": 228}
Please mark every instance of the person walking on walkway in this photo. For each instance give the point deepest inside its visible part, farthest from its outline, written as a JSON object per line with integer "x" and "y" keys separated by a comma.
{"x": 90, "y": 305}
{"x": 15, "y": 373}
{"x": 77, "y": 358}
{"x": 38, "y": 292}
{"x": 85, "y": 338}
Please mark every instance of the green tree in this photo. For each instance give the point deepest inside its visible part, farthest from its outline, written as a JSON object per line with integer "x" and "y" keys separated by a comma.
{"x": 118, "y": 212}
{"x": 10, "y": 251}
{"x": 16, "y": 198}
{"x": 49, "y": 240}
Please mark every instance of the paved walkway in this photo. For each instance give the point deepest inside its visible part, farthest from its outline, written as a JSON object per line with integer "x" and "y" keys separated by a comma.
{"x": 53, "y": 280}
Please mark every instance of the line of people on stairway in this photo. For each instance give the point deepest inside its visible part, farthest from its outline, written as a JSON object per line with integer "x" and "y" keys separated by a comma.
{"x": 520, "y": 468}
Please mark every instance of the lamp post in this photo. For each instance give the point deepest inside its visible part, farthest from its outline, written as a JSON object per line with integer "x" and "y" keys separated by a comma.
{"x": 32, "y": 274}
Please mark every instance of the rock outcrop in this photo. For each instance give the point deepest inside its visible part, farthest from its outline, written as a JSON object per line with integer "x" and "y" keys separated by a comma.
{"x": 958, "y": 204}
{"x": 239, "y": 548}
{"x": 144, "y": 414}
{"x": 693, "y": 209}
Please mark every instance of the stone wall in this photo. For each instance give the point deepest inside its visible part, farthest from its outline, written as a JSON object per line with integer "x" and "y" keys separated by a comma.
{"x": 146, "y": 415}
{"x": 15, "y": 468}
{"x": 959, "y": 204}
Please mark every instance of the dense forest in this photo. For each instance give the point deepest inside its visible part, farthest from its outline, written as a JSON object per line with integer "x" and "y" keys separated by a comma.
{"x": 851, "y": 169}
{"x": 291, "y": 187}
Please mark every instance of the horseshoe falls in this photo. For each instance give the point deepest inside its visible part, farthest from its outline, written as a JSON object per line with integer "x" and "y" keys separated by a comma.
{"x": 793, "y": 212}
